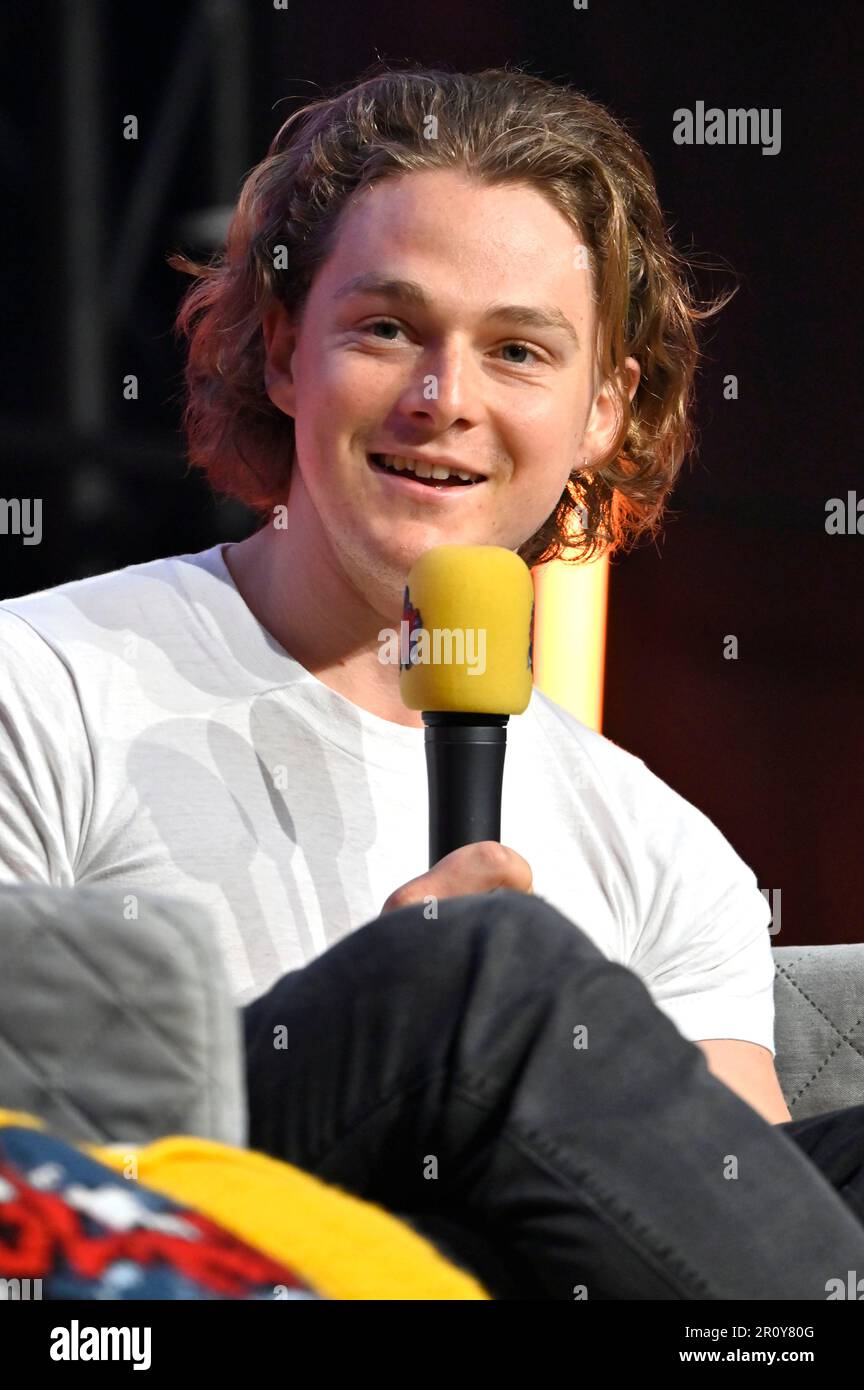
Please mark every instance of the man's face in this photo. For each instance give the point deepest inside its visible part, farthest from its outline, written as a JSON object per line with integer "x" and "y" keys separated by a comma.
{"x": 372, "y": 370}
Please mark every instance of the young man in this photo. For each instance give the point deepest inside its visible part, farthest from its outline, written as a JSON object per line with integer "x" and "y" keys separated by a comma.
{"x": 468, "y": 272}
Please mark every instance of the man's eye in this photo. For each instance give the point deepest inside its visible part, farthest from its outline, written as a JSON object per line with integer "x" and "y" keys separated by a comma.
{"x": 380, "y": 323}
{"x": 523, "y": 347}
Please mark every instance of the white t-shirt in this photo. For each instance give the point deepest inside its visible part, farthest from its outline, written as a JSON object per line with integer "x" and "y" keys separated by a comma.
{"x": 153, "y": 735}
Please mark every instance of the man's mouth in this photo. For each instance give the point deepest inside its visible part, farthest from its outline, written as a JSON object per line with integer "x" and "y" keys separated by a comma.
{"x": 406, "y": 471}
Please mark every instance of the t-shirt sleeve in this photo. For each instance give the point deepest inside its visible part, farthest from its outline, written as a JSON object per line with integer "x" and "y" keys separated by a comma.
{"x": 704, "y": 949}
{"x": 46, "y": 769}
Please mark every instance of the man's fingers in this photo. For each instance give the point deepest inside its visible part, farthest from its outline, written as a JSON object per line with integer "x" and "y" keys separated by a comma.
{"x": 482, "y": 867}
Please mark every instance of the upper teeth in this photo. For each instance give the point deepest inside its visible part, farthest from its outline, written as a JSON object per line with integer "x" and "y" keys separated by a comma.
{"x": 423, "y": 469}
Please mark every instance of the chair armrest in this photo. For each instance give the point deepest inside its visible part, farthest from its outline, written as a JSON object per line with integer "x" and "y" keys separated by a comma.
{"x": 819, "y": 1026}
{"x": 115, "y": 1030}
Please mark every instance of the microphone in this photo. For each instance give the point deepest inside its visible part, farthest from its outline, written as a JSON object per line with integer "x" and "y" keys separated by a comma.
{"x": 466, "y": 662}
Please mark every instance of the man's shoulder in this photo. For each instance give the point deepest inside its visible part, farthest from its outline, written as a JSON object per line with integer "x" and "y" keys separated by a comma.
{"x": 660, "y": 818}
{"x": 133, "y": 596}
{"x": 565, "y": 732}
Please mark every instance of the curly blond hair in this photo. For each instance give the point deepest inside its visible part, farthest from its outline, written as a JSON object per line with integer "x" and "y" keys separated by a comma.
{"x": 501, "y": 125}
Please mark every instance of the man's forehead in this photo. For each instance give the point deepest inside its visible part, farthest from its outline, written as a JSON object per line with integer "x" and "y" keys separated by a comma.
{"x": 484, "y": 225}
{"x": 521, "y": 263}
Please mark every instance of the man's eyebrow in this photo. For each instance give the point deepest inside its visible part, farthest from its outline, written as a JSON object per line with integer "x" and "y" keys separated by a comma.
{"x": 409, "y": 292}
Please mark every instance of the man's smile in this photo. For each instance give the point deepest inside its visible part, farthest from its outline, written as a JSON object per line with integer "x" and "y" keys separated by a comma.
{"x": 408, "y": 474}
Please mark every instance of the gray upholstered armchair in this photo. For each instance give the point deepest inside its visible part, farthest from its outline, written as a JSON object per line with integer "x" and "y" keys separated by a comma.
{"x": 819, "y": 1027}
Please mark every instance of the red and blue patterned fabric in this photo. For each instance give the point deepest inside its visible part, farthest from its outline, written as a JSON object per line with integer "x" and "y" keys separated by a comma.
{"x": 75, "y": 1229}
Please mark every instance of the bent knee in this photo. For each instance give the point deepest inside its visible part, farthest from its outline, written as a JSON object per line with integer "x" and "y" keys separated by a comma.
{"x": 523, "y": 923}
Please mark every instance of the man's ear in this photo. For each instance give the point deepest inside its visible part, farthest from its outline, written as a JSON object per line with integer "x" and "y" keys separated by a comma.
{"x": 280, "y": 337}
{"x": 603, "y": 419}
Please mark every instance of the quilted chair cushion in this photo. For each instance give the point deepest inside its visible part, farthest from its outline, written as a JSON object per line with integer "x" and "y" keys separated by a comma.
{"x": 113, "y": 1027}
{"x": 819, "y": 1027}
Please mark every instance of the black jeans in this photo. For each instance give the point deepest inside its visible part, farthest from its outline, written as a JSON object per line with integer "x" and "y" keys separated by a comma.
{"x": 494, "y": 1079}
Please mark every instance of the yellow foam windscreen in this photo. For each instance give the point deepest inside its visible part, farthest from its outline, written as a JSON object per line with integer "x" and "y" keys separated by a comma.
{"x": 467, "y": 629}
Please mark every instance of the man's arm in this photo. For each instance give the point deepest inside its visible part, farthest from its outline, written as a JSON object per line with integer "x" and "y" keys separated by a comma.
{"x": 748, "y": 1070}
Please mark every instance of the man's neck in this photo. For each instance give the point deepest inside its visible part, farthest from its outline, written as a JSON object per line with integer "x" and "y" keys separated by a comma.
{"x": 325, "y": 629}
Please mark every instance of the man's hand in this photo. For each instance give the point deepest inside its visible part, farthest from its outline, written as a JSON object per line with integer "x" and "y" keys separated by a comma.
{"x": 476, "y": 868}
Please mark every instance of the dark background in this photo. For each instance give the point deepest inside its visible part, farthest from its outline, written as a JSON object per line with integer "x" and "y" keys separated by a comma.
{"x": 769, "y": 746}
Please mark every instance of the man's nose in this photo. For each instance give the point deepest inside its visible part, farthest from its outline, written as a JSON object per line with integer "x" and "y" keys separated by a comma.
{"x": 448, "y": 385}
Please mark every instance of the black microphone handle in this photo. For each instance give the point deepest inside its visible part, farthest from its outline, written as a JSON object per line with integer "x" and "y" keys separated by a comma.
{"x": 465, "y": 766}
